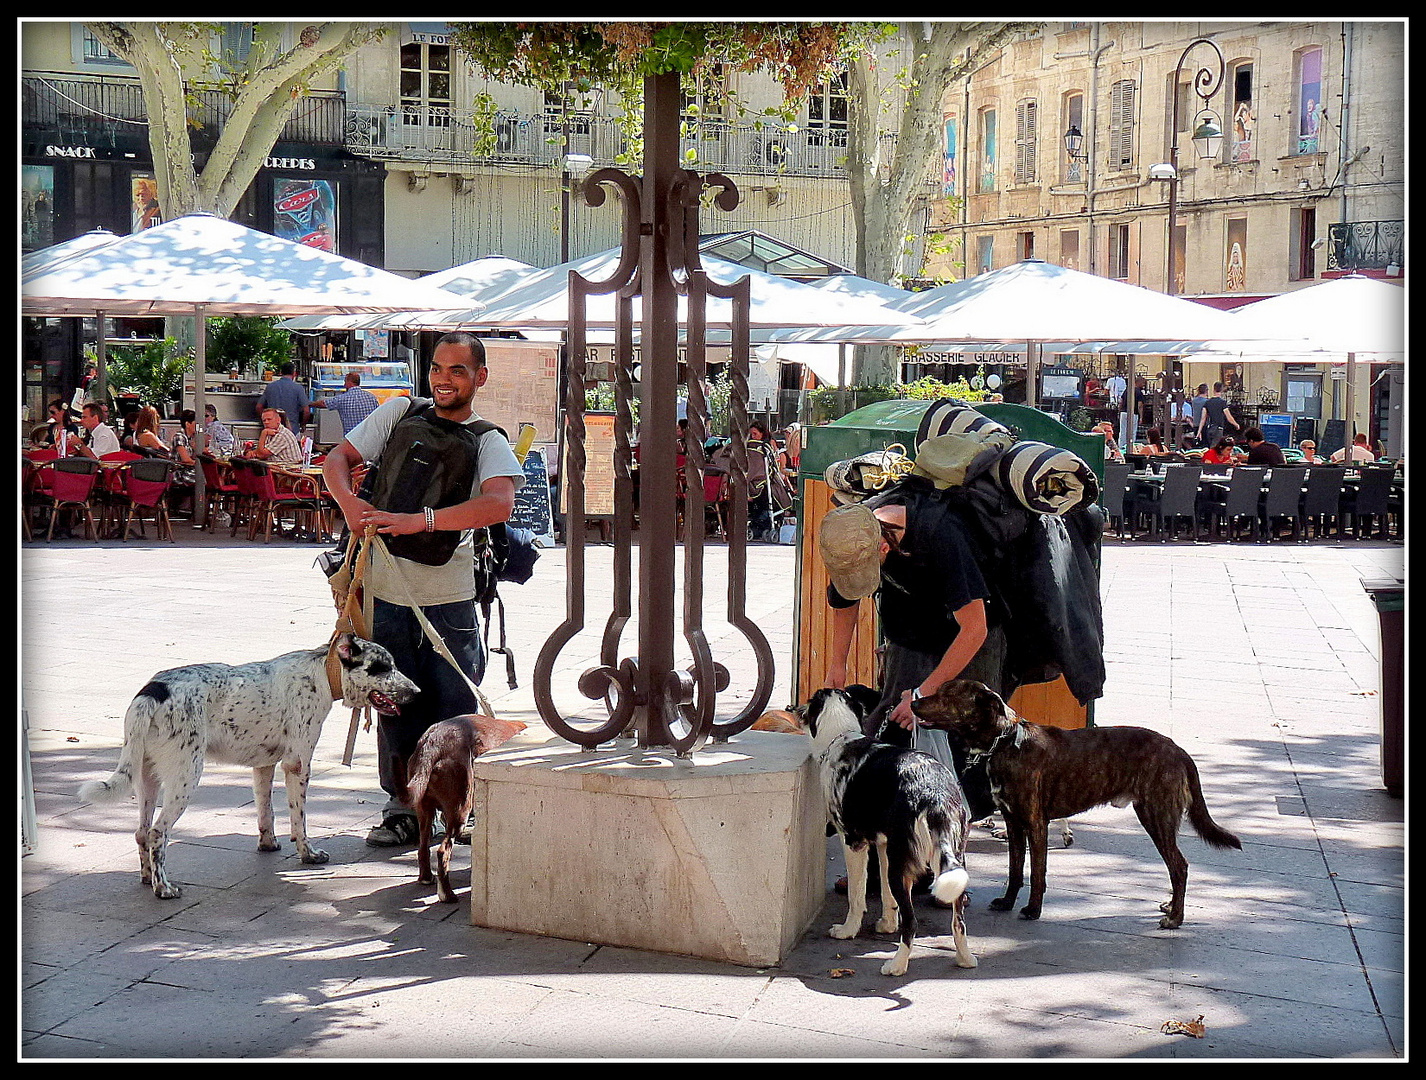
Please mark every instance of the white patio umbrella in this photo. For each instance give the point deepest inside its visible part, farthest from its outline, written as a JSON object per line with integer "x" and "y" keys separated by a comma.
{"x": 776, "y": 301}
{"x": 35, "y": 263}
{"x": 202, "y": 265}
{"x": 481, "y": 280}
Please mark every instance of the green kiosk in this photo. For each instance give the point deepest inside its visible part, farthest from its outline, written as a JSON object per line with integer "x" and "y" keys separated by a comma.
{"x": 876, "y": 427}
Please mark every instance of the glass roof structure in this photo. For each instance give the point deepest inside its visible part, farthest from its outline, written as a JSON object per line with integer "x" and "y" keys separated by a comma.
{"x": 759, "y": 251}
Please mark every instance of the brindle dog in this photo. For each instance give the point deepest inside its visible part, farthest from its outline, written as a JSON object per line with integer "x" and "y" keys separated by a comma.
{"x": 1038, "y": 773}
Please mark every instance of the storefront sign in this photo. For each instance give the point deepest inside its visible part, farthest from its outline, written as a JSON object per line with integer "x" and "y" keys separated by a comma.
{"x": 306, "y": 163}
{"x": 70, "y": 151}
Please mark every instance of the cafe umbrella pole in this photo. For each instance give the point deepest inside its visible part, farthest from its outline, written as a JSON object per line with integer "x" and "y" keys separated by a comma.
{"x": 200, "y": 364}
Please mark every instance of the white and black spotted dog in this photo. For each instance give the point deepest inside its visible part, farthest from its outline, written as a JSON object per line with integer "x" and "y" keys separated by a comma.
{"x": 254, "y": 714}
{"x": 906, "y": 803}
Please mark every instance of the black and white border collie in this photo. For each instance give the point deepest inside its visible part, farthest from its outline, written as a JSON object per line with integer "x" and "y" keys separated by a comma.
{"x": 906, "y": 803}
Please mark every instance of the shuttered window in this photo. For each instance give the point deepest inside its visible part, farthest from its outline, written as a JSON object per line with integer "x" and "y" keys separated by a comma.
{"x": 1122, "y": 101}
{"x": 1025, "y": 142}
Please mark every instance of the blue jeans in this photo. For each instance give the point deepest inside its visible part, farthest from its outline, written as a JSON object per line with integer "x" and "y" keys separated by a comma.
{"x": 443, "y": 692}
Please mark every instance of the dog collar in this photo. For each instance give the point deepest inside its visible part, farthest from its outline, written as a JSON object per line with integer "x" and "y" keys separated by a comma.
{"x": 975, "y": 759}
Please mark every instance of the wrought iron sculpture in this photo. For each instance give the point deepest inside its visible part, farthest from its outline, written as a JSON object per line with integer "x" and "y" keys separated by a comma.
{"x": 645, "y": 694}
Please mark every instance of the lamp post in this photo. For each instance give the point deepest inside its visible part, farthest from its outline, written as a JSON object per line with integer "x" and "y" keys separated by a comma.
{"x": 1208, "y": 138}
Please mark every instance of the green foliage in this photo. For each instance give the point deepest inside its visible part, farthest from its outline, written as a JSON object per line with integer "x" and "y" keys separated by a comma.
{"x": 249, "y": 342}
{"x": 600, "y": 398}
{"x": 154, "y": 371}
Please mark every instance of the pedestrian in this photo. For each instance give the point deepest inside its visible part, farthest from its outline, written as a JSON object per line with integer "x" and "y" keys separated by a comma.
{"x": 287, "y": 394}
{"x": 444, "y": 591}
{"x": 353, "y": 403}
{"x": 1195, "y": 420}
{"x": 1216, "y": 419}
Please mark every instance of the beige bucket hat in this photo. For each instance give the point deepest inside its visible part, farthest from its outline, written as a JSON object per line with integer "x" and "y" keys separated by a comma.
{"x": 850, "y": 541}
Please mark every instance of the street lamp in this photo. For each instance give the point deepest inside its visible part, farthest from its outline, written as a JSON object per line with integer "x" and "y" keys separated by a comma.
{"x": 1074, "y": 144}
{"x": 1208, "y": 139}
{"x": 572, "y": 168}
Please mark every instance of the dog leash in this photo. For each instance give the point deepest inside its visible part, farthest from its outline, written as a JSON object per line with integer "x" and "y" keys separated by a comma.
{"x": 350, "y": 619}
{"x": 975, "y": 759}
{"x": 390, "y": 566}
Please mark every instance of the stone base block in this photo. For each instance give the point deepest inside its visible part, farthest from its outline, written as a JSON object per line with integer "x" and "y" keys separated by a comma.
{"x": 721, "y": 857}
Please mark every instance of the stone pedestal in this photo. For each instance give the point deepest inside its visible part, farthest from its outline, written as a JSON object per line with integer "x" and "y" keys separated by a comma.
{"x": 721, "y": 857}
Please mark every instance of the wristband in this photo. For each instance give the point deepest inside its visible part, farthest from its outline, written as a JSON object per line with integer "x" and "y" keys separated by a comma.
{"x": 430, "y": 519}
{"x": 916, "y": 694}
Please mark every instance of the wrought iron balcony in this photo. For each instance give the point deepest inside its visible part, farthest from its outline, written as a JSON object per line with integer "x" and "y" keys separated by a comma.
{"x": 105, "y": 112}
{"x": 431, "y": 135}
{"x": 1366, "y": 245}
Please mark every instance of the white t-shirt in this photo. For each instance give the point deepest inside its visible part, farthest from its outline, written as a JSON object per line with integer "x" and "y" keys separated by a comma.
{"x": 455, "y": 579}
{"x": 1359, "y": 453}
{"x": 102, "y": 440}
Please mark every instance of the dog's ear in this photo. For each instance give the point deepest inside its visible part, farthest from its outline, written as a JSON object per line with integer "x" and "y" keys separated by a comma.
{"x": 866, "y": 698}
{"x": 348, "y": 647}
{"x": 987, "y": 700}
{"x": 491, "y": 732}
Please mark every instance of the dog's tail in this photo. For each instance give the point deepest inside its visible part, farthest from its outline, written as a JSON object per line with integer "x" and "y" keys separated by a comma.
{"x": 1208, "y": 829}
{"x": 136, "y": 723}
{"x": 939, "y": 853}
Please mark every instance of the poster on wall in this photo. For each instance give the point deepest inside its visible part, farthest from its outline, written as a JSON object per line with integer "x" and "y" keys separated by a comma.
{"x": 1237, "y": 254}
{"x": 1309, "y": 102}
{"x": 305, "y": 211}
{"x": 948, "y": 183}
{"x": 143, "y": 194}
{"x": 36, "y": 207}
{"x": 598, "y": 467}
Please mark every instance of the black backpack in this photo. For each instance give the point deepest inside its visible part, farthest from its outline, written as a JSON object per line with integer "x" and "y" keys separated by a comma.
{"x": 438, "y": 464}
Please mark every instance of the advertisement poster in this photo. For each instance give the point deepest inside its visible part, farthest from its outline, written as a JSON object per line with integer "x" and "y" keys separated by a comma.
{"x": 36, "y": 207}
{"x": 306, "y": 212}
{"x": 143, "y": 190}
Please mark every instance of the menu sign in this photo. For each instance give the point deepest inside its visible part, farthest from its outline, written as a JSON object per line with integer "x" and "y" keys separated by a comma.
{"x": 598, "y": 467}
{"x": 532, "y": 501}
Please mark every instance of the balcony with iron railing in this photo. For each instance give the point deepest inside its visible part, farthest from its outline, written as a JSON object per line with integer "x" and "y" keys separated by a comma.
{"x": 1366, "y": 245}
{"x": 104, "y": 111}
{"x": 432, "y": 135}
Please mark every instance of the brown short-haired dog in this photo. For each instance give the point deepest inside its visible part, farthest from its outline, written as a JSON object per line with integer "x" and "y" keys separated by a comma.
{"x": 439, "y": 777}
{"x": 1039, "y": 773}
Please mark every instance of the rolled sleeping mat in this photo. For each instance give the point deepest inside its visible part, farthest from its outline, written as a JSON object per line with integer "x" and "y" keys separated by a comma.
{"x": 1047, "y": 479}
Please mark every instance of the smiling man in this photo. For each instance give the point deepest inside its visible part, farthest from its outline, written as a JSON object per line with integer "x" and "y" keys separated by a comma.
{"x": 441, "y": 473}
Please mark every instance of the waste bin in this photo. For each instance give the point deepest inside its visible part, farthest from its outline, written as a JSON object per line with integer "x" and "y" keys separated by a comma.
{"x": 876, "y": 427}
{"x": 1389, "y": 595}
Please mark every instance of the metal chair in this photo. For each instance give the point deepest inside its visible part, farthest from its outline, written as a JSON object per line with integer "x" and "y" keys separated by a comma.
{"x": 70, "y": 486}
{"x": 1368, "y": 500}
{"x": 146, "y": 488}
{"x": 1242, "y": 499}
{"x": 1282, "y": 499}
{"x": 1319, "y": 508}
{"x": 1176, "y": 499}
{"x": 1116, "y": 495}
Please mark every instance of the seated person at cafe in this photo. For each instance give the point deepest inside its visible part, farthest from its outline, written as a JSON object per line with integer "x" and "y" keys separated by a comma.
{"x": 1309, "y": 452}
{"x": 1361, "y": 451}
{"x": 217, "y": 439}
{"x": 276, "y": 443}
{"x": 1223, "y": 452}
{"x": 60, "y": 429}
{"x": 1111, "y": 447}
{"x": 1260, "y": 451}
{"x": 1153, "y": 443}
{"x": 184, "y": 477}
{"x": 102, "y": 438}
{"x": 146, "y": 438}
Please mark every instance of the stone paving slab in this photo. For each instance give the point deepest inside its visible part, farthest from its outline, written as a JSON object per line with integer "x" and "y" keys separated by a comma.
{"x": 1261, "y": 660}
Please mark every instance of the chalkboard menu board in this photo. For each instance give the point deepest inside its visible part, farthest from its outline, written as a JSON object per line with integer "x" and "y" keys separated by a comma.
{"x": 1334, "y": 434}
{"x": 532, "y": 502}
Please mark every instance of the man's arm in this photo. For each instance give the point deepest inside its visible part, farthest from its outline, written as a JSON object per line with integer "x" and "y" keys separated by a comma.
{"x": 844, "y": 625}
{"x": 971, "y": 620}
{"x": 495, "y": 503}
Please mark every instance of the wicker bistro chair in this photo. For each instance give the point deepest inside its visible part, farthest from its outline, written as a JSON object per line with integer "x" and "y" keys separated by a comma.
{"x": 146, "y": 488}
{"x": 303, "y": 502}
{"x": 1176, "y": 498}
{"x": 1242, "y": 499}
{"x": 1282, "y": 499}
{"x": 221, "y": 494}
{"x": 1319, "y": 509}
{"x": 69, "y": 486}
{"x": 1118, "y": 507}
{"x": 1368, "y": 500}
